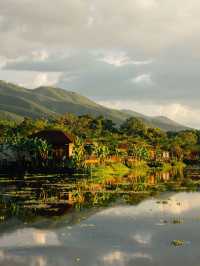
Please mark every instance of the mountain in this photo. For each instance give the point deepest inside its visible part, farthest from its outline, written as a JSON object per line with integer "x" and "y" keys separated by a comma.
{"x": 162, "y": 122}
{"x": 17, "y": 102}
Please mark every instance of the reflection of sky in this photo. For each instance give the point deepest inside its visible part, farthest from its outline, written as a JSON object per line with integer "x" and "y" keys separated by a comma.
{"x": 122, "y": 258}
{"x": 117, "y": 236}
{"x": 7, "y": 259}
{"x": 29, "y": 237}
{"x": 178, "y": 203}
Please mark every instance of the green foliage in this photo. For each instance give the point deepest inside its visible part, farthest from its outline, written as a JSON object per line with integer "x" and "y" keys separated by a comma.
{"x": 100, "y": 137}
{"x": 101, "y": 151}
{"x": 186, "y": 138}
{"x": 34, "y": 147}
{"x": 134, "y": 126}
{"x": 117, "y": 169}
{"x": 177, "y": 151}
{"x": 78, "y": 157}
{"x": 139, "y": 152}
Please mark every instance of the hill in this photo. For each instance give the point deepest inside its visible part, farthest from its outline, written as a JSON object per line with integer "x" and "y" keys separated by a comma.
{"x": 162, "y": 122}
{"x": 17, "y": 102}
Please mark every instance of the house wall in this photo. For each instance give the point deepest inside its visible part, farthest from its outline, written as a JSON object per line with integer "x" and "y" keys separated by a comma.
{"x": 70, "y": 149}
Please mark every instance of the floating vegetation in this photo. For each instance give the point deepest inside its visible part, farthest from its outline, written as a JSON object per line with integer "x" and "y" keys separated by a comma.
{"x": 49, "y": 195}
{"x": 87, "y": 225}
{"x": 78, "y": 259}
{"x": 178, "y": 243}
{"x": 177, "y": 221}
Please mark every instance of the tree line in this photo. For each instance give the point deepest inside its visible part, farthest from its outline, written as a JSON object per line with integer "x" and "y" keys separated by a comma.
{"x": 105, "y": 136}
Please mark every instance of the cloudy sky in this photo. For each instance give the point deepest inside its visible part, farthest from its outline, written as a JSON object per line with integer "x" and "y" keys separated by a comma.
{"x": 139, "y": 54}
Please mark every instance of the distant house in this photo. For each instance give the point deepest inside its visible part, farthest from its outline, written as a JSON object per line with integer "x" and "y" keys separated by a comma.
{"x": 162, "y": 155}
{"x": 61, "y": 143}
{"x": 166, "y": 155}
{"x": 123, "y": 147}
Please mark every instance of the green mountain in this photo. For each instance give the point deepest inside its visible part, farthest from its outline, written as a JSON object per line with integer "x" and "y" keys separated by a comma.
{"x": 162, "y": 122}
{"x": 17, "y": 102}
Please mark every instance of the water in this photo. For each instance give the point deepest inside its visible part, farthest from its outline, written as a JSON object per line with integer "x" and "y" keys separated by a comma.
{"x": 118, "y": 226}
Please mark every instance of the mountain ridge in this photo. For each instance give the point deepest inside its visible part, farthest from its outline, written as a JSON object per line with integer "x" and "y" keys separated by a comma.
{"x": 164, "y": 121}
{"x": 17, "y": 102}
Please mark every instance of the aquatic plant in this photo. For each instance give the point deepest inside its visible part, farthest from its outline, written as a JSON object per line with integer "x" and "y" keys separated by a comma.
{"x": 178, "y": 243}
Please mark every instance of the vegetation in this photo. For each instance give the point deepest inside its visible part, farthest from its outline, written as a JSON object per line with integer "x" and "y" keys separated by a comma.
{"x": 100, "y": 142}
{"x": 178, "y": 243}
{"x": 42, "y": 195}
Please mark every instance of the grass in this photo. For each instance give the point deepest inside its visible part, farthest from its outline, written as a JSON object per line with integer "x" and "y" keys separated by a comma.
{"x": 110, "y": 169}
{"x": 139, "y": 166}
{"x": 166, "y": 167}
{"x": 178, "y": 164}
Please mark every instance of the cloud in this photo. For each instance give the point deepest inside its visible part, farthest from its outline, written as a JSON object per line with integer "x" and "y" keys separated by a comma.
{"x": 45, "y": 79}
{"x": 3, "y": 62}
{"x": 143, "y": 79}
{"x": 118, "y": 75}
{"x": 153, "y": 87}
{"x": 144, "y": 26}
{"x": 147, "y": 4}
{"x": 146, "y": 51}
{"x": 40, "y": 55}
{"x": 31, "y": 79}
{"x": 121, "y": 58}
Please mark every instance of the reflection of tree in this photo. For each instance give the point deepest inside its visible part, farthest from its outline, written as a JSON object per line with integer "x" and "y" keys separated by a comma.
{"x": 56, "y": 197}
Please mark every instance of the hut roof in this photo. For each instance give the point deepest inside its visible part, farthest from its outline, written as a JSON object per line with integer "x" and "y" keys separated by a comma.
{"x": 123, "y": 146}
{"x": 54, "y": 137}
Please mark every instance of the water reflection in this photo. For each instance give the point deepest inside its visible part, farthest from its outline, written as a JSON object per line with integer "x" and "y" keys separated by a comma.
{"x": 111, "y": 220}
{"x": 6, "y": 258}
{"x": 124, "y": 258}
{"x": 37, "y": 196}
{"x": 29, "y": 237}
{"x": 119, "y": 235}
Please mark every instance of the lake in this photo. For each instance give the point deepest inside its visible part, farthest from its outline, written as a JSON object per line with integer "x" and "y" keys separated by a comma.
{"x": 139, "y": 220}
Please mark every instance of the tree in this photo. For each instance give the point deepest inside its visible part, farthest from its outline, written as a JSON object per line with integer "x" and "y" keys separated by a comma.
{"x": 26, "y": 127}
{"x": 134, "y": 126}
{"x": 109, "y": 125}
{"x": 186, "y": 138}
{"x": 97, "y": 125}
{"x": 177, "y": 151}
{"x": 157, "y": 137}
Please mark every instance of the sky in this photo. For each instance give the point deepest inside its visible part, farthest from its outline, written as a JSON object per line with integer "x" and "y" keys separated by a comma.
{"x": 141, "y": 55}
